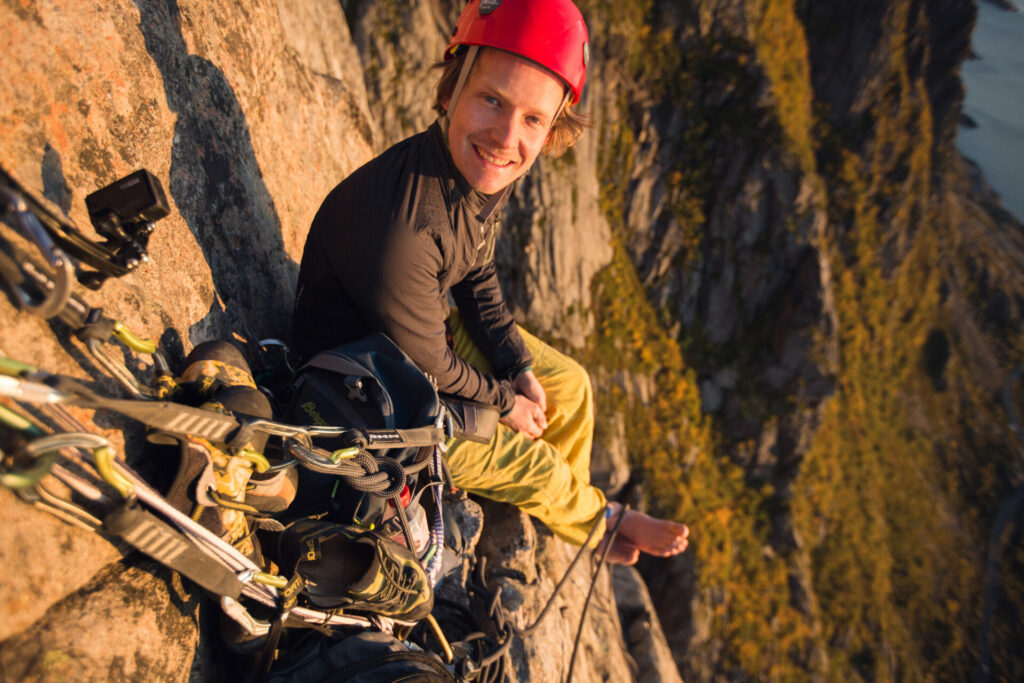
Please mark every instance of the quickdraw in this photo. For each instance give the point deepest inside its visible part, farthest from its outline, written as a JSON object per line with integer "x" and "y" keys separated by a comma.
{"x": 130, "y": 516}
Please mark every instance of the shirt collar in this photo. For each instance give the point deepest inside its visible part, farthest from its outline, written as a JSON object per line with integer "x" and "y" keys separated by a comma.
{"x": 481, "y": 205}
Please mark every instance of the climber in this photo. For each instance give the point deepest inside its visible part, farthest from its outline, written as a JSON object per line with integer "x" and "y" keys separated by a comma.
{"x": 416, "y": 224}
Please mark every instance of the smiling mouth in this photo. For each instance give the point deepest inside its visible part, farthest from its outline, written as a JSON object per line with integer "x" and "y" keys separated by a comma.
{"x": 491, "y": 159}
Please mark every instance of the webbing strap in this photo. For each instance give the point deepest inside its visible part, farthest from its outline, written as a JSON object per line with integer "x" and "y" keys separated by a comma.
{"x": 269, "y": 653}
{"x": 173, "y": 418}
{"x": 471, "y": 420}
{"x": 145, "y": 531}
{"x": 419, "y": 436}
{"x": 467, "y": 65}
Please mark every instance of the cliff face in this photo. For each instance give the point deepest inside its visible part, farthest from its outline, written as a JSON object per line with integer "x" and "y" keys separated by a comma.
{"x": 248, "y": 114}
{"x": 204, "y": 96}
{"x": 785, "y": 186}
{"x": 794, "y": 300}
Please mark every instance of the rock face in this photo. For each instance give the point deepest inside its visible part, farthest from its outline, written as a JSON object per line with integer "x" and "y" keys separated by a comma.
{"x": 643, "y": 631}
{"x": 769, "y": 184}
{"x": 205, "y": 96}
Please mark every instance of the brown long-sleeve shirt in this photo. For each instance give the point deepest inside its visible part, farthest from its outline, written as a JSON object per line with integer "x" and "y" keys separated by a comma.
{"x": 386, "y": 247}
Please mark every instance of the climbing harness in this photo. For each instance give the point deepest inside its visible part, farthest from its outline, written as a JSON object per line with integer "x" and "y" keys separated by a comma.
{"x": 132, "y": 518}
{"x": 136, "y": 513}
{"x": 146, "y": 520}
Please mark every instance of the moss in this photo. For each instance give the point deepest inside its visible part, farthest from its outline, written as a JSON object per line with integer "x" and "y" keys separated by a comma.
{"x": 54, "y": 659}
{"x": 778, "y": 36}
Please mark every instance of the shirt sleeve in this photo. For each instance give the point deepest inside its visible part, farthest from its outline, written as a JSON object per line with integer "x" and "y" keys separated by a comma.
{"x": 489, "y": 322}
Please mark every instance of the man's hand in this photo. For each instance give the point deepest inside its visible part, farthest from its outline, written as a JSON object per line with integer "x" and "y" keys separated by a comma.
{"x": 526, "y": 416}
{"x": 527, "y": 385}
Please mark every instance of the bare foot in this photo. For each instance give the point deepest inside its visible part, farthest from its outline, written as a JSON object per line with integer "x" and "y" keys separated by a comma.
{"x": 621, "y": 552}
{"x": 649, "y": 534}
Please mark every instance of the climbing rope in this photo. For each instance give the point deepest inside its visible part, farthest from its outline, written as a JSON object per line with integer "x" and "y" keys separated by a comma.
{"x": 497, "y": 612}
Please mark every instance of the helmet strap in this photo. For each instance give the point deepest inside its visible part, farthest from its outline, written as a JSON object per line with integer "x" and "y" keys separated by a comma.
{"x": 467, "y": 64}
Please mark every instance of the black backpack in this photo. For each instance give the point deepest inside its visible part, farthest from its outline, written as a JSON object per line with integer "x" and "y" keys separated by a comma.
{"x": 368, "y": 384}
{"x": 371, "y": 384}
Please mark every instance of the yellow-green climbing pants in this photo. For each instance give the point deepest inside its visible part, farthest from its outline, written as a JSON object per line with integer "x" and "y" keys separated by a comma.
{"x": 548, "y": 478}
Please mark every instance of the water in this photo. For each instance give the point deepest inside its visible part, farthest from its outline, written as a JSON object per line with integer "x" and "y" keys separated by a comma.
{"x": 995, "y": 101}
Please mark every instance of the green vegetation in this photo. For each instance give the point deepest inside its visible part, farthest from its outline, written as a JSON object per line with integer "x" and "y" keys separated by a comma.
{"x": 673, "y": 446}
{"x": 781, "y": 46}
{"x": 890, "y": 504}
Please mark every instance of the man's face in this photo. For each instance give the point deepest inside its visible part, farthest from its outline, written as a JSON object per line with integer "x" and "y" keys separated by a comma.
{"x": 502, "y": 118}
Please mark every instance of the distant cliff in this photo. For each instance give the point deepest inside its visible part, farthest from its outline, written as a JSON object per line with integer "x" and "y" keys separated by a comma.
{"x": 797, "y": 303}
{"x": 799, "y": 333}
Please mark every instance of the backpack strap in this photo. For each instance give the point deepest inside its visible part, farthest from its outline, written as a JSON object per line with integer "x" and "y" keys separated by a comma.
{"x": 471, "y": 420}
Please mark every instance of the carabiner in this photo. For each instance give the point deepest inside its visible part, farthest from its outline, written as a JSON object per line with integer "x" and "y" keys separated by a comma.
{"x": 43, "y": 453}
{"x": 54, "y": 289}
{"x": 449, "y": 655}
{"x": 97, "y": 330}
{"x": 240, "y": 615}
{"x": 19, "y": 480}
{"x": 32, "y": 392}
{"x": 104, "y": 459}
{"x": 102, "y": 454}
{"x": 343, "y": 454}
{"x": 18, "y": 421}
{"x": 258, "y": 460}
{"x": 133, "y": 342}
{"x": 14, "y": 368}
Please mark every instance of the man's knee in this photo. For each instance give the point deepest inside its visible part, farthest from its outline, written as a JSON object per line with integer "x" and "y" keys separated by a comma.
{"x": 582, "y": 378}
{"x": 573, "y": 382}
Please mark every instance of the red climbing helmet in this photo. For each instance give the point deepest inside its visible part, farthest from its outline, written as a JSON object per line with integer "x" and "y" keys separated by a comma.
{"x": 549, "y": 32}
